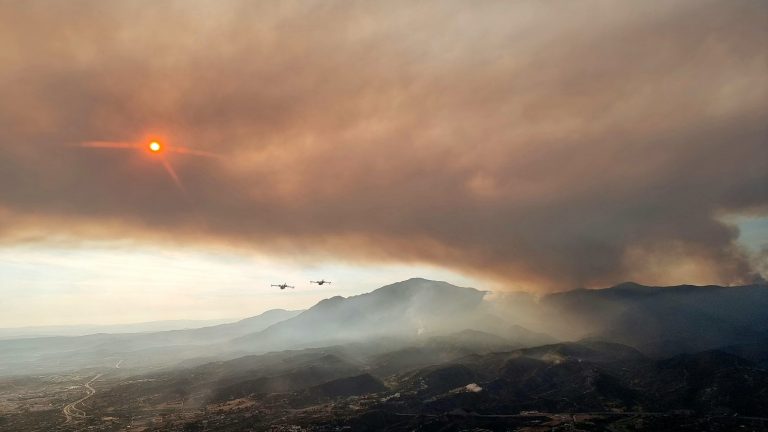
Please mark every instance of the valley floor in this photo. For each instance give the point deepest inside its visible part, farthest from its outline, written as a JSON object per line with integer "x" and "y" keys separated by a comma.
{"x": 424, "y": 398}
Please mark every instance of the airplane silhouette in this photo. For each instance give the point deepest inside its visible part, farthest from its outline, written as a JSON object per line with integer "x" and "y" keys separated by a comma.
{"x": 320, "y": 282}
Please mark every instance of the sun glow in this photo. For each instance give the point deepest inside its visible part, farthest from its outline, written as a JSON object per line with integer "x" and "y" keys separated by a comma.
{"x": 155, "y": 147}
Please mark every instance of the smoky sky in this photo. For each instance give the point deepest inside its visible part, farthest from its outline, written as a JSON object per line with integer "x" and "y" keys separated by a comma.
{"x": 548, "y": 144}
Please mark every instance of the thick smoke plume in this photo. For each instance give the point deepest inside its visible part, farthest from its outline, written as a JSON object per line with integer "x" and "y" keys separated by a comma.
{"x": 551, "y": 145}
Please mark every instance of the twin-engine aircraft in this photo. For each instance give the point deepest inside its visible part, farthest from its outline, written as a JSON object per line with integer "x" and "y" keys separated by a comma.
{"x": 283, "y": 286}
{"x": 320, "y": 282}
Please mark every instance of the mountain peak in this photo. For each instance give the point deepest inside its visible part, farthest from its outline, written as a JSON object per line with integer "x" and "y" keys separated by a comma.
{"x": 402, "y": 309}
{"x": 418, "y": 283}
{"x": 629, "y": 286}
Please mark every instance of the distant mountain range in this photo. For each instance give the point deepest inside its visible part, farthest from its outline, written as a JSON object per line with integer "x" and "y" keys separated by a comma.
{"x": 46, "y": 354}
{"x": 666, "y": 320}
{"x": 87, "y": 329}
{"x": 658, "y": 321}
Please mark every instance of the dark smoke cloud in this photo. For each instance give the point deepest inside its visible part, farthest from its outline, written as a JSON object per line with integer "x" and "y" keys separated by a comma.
{"x": 547, "y": 144}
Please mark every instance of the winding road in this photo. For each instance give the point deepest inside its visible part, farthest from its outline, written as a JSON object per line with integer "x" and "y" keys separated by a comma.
{"x": 71, "y": 410}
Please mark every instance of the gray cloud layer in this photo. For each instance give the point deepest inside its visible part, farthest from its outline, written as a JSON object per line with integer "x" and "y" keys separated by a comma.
{"x": 550, "y": 144}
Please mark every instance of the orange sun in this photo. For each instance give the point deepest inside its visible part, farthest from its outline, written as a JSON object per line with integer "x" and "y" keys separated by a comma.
{"x": 155, "y": 147}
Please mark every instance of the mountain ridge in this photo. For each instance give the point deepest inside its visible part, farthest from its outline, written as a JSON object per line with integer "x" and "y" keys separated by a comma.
{"x": 657, "y": 320}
